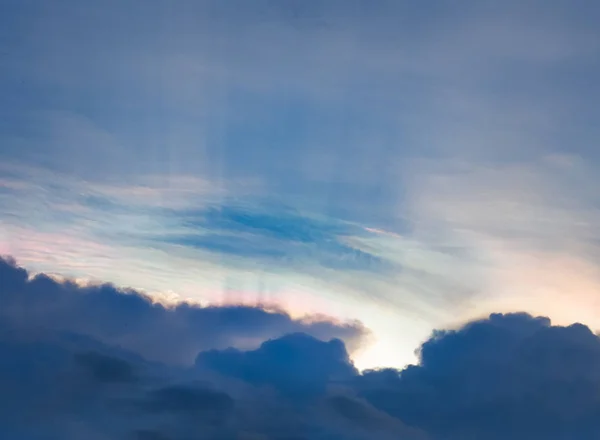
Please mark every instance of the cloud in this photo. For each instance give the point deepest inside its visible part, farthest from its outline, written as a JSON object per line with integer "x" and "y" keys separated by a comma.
{"x": 187, "y": 399}
{"x": 296, "y": 364}
{"x": 508, "y": 376}
{"x": 60, "y": 385}
{"x": 105, "y": 368}
{"x": 172, "y": 334}
{"x": 55, "y": 387}
{"x": 276, "y": 234}
{"x": 166, "y": 237}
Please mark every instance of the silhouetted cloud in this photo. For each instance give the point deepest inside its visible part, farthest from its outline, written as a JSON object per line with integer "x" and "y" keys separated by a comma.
{"x": 105, "y": 368}
{"x": 190, "y": 405}
{"x": 188, "y": 399}
{"x": 49, "y": 393}
{"x": 509, "y": 376}
{"x": 60, "y": 384}
{"x": 146, "y": 434}
{"x": 298, "y": 365}
{"x": 129, "y": 319}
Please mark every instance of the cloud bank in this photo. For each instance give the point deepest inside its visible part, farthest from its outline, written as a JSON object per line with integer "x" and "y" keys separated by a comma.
{"x": 105, "y": 363}
{"x": 129, "y": 319}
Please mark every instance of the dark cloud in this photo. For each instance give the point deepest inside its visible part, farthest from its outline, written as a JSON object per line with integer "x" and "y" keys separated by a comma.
{"x": 58, "y": 383}
{"x": 146, "y": 434}
{"x": 46, "y": 392}
{"x": 106, "y": 368}
{"x": 49, "y": 393}
{"x": 129, "y": 319}
{"x": 184, "y": 406}
{"x": 355, "y": 411}
{"x": 509, "y": 376}
{"x": 187, "y": 399}
{"x": 296, "y": 364}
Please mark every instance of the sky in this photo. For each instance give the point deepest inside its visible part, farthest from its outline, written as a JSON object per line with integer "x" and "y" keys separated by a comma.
{"x": 391, "y": 167}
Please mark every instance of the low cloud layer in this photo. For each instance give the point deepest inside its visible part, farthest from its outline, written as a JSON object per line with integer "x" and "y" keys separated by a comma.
{"x": 508, "y": 376}
{"x": 130, "y": 320}
{"x": 75, "y": 363}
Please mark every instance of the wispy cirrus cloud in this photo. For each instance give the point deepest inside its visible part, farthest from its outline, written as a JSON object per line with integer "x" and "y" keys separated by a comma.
{"x": 278, "y": 235}
{"x": 185, "y": 212}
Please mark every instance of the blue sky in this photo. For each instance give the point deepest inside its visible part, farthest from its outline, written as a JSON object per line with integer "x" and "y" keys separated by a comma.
{"x": 411, "y": 166}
